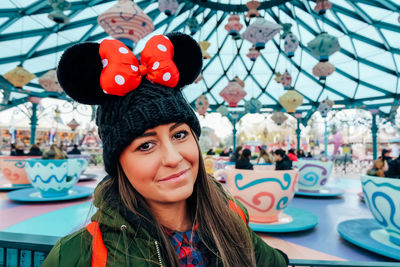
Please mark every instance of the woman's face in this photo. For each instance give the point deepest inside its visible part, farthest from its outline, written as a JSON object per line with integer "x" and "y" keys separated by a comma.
{"x": 163, "y": 163}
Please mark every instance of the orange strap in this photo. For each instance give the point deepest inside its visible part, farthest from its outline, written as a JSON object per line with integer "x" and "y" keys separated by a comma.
{"x": 235, "y": 207}
{"x": 99, "y": 251}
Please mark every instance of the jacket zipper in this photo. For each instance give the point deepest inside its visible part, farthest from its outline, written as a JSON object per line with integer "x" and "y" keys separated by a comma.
{"x": 123, "y": 229}
{"x": 158, "y": 253}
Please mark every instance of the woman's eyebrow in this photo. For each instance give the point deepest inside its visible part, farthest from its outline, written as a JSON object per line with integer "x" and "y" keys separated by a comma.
{"x": 175, "y": 126}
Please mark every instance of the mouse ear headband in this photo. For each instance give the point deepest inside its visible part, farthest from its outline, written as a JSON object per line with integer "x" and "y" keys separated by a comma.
{"x": 90, "y": 73}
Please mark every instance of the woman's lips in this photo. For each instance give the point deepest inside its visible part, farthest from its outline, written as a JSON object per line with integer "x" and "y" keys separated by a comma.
{"x": 175, "y": 177}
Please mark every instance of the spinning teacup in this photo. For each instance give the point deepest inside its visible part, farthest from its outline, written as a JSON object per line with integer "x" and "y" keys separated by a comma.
{"x": 13, "y": 169}
{"x": 53, "y": 177}
{"x": 382, "y": 196}
{"x": 264, "y": 191}
{"x": 313, "y": 174}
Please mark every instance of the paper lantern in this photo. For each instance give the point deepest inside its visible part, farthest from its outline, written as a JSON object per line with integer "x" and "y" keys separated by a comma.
{"x": 279, "y": 118}
{"x": 291, "y": 100}
{"x": 291, "y": 42}
{"x": 50, "y": 83}
{"x": 252, "y": 6}
{"x": 19, "y": 76}
{"x": 193, "y": 25}
{"x": 126, "y": 22}
{"x": 322, "y": 6}
{"x": 204, "y": 45}
{"x": 234, "y": 26}
{"x": 253, "y": 53}
{"x": 73, "y": 124}
{"x": 199, "y": 78}
{"x": 169, "y": 7}
{"x": 202, "y": 104}
{"x": 233, "y": 92}
{"x": 252, "y": 106}
{"x": 323, "y": 46}
{"x": 324, "y": 107}
{"x": 57, "y": 15}
{"x": 323, "y": 70}
{"x": 278, "y": 77}
{"x": 260, "y": 32}
{"x": 286, "y": 80}
{"x": 223, "y": 110}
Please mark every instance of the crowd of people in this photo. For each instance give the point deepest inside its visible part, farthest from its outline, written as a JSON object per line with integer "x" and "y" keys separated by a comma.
{"x": 52, "y": 152}
{"x": 385, "y": 166}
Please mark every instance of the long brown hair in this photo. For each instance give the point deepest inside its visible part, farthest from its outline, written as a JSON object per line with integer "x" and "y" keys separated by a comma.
{"x": 220, "y": 229}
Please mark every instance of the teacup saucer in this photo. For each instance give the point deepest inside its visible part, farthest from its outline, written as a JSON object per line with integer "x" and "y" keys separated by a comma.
{"x": 368, "y": 234}
{"x": 290, "y": 220}
{"x": 9, "y": 187}
{"x": 324, "y": 192}
{"x": 33, "y": 195}
{"x": 87, "y": 177}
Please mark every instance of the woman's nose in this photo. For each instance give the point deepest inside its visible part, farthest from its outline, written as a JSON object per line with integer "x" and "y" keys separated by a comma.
{"x": 171, "y": 155}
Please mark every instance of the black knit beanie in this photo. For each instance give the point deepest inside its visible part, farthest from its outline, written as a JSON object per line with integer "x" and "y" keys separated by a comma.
{"x": 123, "y": 118}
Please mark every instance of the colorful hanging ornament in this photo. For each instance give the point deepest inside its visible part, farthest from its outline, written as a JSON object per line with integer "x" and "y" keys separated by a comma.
{"x": 278, "y": 77}
{"x": 169, "y": 7}
{"x": 291, "y": 100}
{"x": 323, "y": 70}
{"x": 322, "y": 6}
{"x": 19, "y": 76}
{"x": 253, "y": 53}
{"x": 193, "y": 25}
{"x": 279, "y": 118}
{"x": 202, "y": 104}
{"x": 260, "y": 32}
{"x": 252, "y": 6}
{"x": 233, "y": 92}
{"x": 204, "y": 45}
{"x": 324, "y": 107}
{"x": 126, "y": 22}
{"x": 252, "y": 106}
{"x": 73, "y": 124}
{"x": 57, "y": 15}
{"x": 50, "y": 83}
{"x": 323, "y": 46}
{"x": 291, "y": 42}
{"x": 234, "y": 26}
{"x": 286, "y": 80}
{"x": 223, "y": 110}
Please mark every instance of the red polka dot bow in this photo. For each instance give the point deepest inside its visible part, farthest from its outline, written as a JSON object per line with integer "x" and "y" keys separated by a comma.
{"x": 121, "y": 70}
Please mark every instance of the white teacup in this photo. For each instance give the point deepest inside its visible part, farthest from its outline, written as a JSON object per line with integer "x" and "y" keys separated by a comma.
{"x": 313, "y": 174}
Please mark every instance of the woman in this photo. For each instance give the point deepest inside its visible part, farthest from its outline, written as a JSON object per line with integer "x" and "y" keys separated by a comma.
{"x": 244, "y": 160}
{"x": 236, "y": 155}
{"x": 264, "y": 156}
{"x": 157, "y": 207}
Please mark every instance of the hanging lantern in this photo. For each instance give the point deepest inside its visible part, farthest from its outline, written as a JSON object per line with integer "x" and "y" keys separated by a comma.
{"x": 234, "y": 26}
{"x": 252, "y": 106}
{"x": 233, "y": 92}
{"x": 253, "y": 53}
{"x": 169, "y": 7}
{"x": 202, "y": 104}
{"x": 260, "y": 32}
{"x": 323, "y": 46}
{"x": 193, "y": 25}
{"x": 323, "y": 70}
{"x": 19, "y": 76}
{"x": 34, "y": 99}
{"x": 223, "y": 110}
{"x": 322, "y": 6}
{"x": 279, "y": 118}
{"x": 57, "y": 116}
{"x": 278, "y": 77}
{"x": 57, "y": 15}
{"x": 252, "y": 6}
{"x": 325, "y": 106}
{"x": 199, "y": 78}
{"x": 73, "y": 124}
{"x": 126, "y": 22}
{"x": 50, "y": 83}
{"x": 286, "y": 80}
{"x": 291, "y": 100}
{"x": 204, "y": 45}
{"x": 291, "y": 43}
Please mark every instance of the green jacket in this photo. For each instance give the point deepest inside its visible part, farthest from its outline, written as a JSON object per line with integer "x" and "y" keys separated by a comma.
{"x": 132, "y": 246}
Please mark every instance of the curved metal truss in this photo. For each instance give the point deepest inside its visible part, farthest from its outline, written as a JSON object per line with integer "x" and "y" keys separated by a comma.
{"x": 367, "y": 66}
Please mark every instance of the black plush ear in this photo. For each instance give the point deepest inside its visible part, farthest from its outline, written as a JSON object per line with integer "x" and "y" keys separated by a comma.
{"x": 78, "y": 73}
{"x": 187, "y": 57}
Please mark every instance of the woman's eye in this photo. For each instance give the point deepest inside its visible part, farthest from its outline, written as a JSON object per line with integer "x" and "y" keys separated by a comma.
{"x": 145, "y": 146}
{"x": 180, "y": 135}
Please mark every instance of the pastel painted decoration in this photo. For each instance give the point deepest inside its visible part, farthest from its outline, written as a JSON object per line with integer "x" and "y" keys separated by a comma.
{"x": 19, "y": 76}
{"x": 322, "y": 6}
{"x": 193, "y": 25}
{"x": 252, "y": 6}
{"x": 323, "y": 46}
{"x": 233, "y": 92}
{"x": 291, "y": 42}
{"x": 325, "y": 106}
{"x": 223, "y": 110}
{"x": 50, "y": 83}
{"x": 382, "y": 196}
{"x": 260, "y": 32}
{"x": 53, "y": 177}
{"x": 279, "y": 117}
{"x": 252, "y": 106}
{"x": 204, "y": 45}
{"x": 169, "y": 7}
{"x": 253, "y": 53}
{"x": 13, "y": 169}
{"x": 234, "y": 26}
{"x": 291, "y": 100}
{"x": 323, "y": 70}
{"x": 57, "y": 15}
{"x": 286, "y": 80}
{"x": 337, "y": 141}
{"x": 264, "y": 191}
{"x": 202, "y": 104}
{"x": 313, "y": 174}
{"x": 126, "y": 22}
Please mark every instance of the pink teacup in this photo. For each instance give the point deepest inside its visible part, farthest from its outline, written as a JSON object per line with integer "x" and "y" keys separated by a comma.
{"x": 13, "y": 169}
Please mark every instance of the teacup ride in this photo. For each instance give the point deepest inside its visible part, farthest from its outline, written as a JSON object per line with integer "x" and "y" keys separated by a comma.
{"x": 381, "y": 234}
{"x": 266, "y": 194}
{"x": 52, "y": 180}
{"x": 13, "y": 173}
{"x": 84, "y": 161}
{"x": 313, "y": 176}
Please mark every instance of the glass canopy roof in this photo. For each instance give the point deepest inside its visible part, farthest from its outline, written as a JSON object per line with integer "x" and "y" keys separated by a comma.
{"x": 367, "y": 65}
